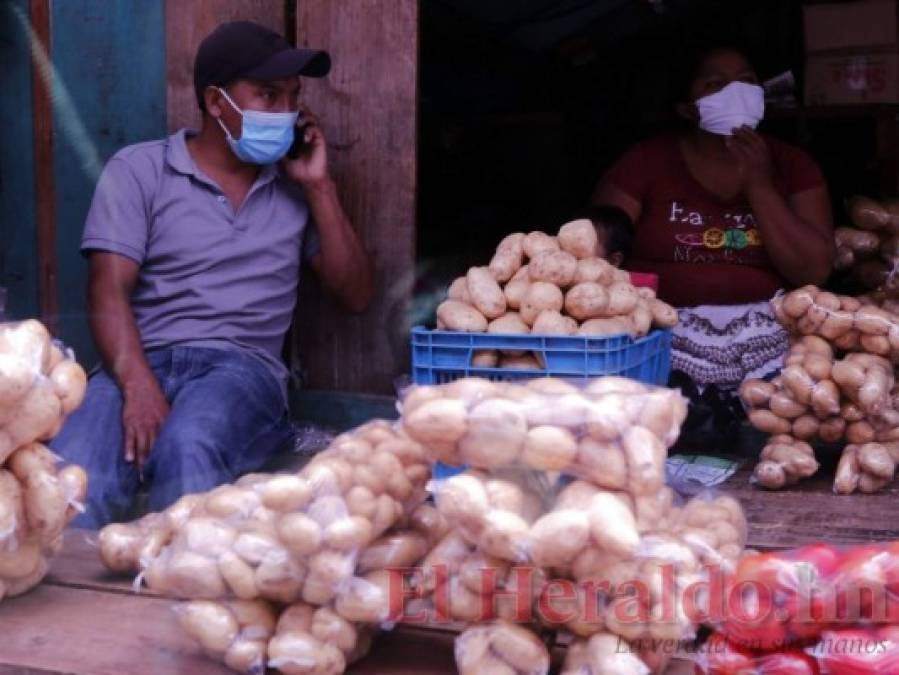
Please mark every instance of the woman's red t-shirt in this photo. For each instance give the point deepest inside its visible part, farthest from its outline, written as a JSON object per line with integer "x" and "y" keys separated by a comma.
{"x": 705, "y": 251}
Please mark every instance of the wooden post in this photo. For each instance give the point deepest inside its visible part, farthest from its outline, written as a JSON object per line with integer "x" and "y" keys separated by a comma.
{"x": 42, "y": 112}
{"x": 367, "y": 107}
{"x": 186, "y": 24}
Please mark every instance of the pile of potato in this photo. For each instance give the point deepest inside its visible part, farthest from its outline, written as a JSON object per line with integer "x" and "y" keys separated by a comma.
{"x": 867, "y": 467}
{"x": 872, "y": 251}
{"x": 39, "y": 386}
{"x": 549, "y": 285}
{"x": 784, "y": 461}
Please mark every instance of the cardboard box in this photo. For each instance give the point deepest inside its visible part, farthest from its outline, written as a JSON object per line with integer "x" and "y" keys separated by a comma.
{"x": 860, "y": 25}
{"x": 841, "y": 79}
{"x": 852, "y": 52}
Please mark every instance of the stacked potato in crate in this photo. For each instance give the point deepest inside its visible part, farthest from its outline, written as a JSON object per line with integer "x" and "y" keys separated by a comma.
{"x": 549, "y": 285}
{"x": 838, "y": 385}
{"x": 39, "y": 386}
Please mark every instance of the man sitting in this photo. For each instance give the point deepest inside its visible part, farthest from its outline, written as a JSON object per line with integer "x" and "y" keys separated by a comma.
{"x": 195, "y": 244}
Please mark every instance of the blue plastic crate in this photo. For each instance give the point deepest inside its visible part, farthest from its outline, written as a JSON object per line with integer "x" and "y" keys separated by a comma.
{"x": 443, "y": 356}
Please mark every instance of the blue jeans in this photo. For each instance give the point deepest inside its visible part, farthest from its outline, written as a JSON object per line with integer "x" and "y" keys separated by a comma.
{"x": 227, "y": 417}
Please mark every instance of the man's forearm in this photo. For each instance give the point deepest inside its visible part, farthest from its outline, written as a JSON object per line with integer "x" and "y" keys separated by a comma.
{"x": 345, "y": 266}
{"x": 118, "y": 339}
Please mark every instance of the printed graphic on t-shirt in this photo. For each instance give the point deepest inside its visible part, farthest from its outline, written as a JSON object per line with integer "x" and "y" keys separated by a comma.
{"x": 725, "y": 235}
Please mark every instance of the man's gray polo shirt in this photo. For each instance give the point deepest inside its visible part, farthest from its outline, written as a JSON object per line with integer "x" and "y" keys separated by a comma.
{"x": 209, "y": 277}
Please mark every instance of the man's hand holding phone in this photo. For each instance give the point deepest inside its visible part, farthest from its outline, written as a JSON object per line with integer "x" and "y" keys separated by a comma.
{"x": 307, "y": 160}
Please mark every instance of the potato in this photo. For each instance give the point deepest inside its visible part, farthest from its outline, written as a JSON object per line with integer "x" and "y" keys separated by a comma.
{"x": 586, "y": 300}
{"x": 486, "y": 295}
{"x": 765, "y": 420}
{"x": 783, "y": 405}
{"x": 622, "y": 299}
{"x": 510, "y": 322}
{"x": 462, "y": 500}
{"x": 246, "y": 656}
{"x": 609, "y": 326}
{"x": 20, "y": 562}
{"x": 46, "y": 502}
{"x": 496, "y": 434}
{"x": 663, "y": 314}
{"x": 299, "y": 533}
{"x": 39, "y": 414}
{"x": 602, "y": 463}
{"x": 186, "y": 574}
{"x": 540, "y": 296}
{"x": 645, "y": 455}
{"x": 552, "y": 322}
{"x": 401, "y": 549}
{"x": 348, "y": 534}
{"x": 285, "y": 493}
{"x": 455, "y": 315}
{"x": 526, "y": 361}
{"x": 549, "y": 448}
{"x": 537, "y": 242}
{"x": 368, "y": 599}
{"x": 28, "y": 340}
{"x": 833, "y": 429}
{"x": 874, "y": 459}
{"x": 504, "y": 264}
{"x": 848, "y": 471}
{"x": 756, "y": 393}
{"x": 641, "y": 319}
{"x": 515, "y": 291}
{"x": 12, "y": 510}
{"x": 440, "y": 420}
{"x": 279, "y": 578}
{"x": 612, "y": 524}
{"x": 555, "y": 267}
{"x": 594, "y": 270}
{"x": 578, "y": 238}
{"x": 69, "y": 384}
{"x": 505, "y": 536}
{"x": 209, "y": 623}
{"x": 868, "y": 214}
{"x": 500, "y": 648}
{"x": 16, "y": 378}
{"x": 297, "y": 653}
{"x": 331, "y": 628}
{"x": 557, "y": 537}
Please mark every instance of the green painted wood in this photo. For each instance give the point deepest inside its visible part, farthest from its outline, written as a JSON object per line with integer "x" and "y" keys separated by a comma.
{"x": 109, "y": 92}
{"x": 18, "y": 266}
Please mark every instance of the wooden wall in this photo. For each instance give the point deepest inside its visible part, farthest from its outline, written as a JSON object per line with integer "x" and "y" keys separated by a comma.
{"x": 186, "y": 24}
{"x": 368, "y": 111}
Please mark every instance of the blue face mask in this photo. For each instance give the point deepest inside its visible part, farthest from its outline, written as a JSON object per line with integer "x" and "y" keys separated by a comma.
{"x": 265, "y": 137}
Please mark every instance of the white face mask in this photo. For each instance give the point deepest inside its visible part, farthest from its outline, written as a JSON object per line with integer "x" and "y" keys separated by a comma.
{"x": 736, "y": 105}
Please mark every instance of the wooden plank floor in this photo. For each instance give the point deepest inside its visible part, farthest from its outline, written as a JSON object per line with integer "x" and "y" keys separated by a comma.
{"x": 810, "y": 511}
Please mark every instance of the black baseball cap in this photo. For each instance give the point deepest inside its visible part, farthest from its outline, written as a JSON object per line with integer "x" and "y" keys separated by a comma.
{"x": 243, "y": 49}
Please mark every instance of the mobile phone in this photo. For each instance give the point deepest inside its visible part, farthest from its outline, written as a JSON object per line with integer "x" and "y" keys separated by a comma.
{"x": 299, "y": 138}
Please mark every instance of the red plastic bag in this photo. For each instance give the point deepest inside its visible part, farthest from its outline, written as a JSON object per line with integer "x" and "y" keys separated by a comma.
{"x": 859, "y": 651}
{"x": 718, "y": 656}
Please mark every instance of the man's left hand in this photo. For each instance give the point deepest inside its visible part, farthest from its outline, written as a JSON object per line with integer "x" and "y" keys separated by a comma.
{"x": 753, "y": 157}
{"x": 311, "y": 166}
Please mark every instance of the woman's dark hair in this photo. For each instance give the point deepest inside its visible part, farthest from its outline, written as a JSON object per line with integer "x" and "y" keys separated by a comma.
{"x": 695, "y": 54}
{"x": 618, "y": 226}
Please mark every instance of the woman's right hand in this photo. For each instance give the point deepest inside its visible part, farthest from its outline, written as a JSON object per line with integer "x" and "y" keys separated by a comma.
{"x": 143, "y": 414}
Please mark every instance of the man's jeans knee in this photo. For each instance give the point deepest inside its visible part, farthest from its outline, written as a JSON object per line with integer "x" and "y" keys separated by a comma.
{"x": 227, "y": 417}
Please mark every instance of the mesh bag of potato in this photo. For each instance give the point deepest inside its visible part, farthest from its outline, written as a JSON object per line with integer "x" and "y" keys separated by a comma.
{"x": 821, "y": 396}
{"x": 283, "y": 538}
{"x": 871, "y": 252}
{"x": 564, "y": 483}
{"x": 40, "y": 384}
{"x": 549, "y": 285}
